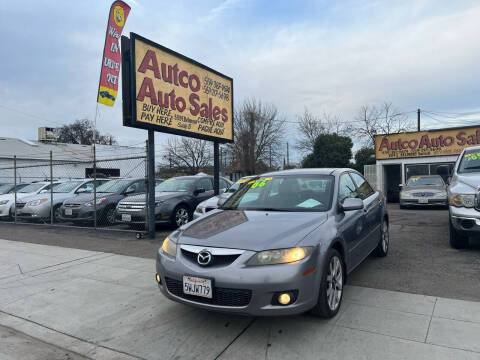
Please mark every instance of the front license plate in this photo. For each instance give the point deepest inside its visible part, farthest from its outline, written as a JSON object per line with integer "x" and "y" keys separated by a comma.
{"x": 197, "y": 286}
{"x": 68, "y": 212}
{"x": 423, "y": 201}
{"x": 126, "y": 217}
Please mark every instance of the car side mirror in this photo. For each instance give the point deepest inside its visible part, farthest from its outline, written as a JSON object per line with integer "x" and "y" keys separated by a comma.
{"x": 400, "y": 186}
{"x": 199, "y": 191}
{"x": 129, "y": 191}
{"x": 43, "y": 191}
{"x": 80, "y": 191}
{"x": 449, "y": 180}
{"x": 350, "y": 204}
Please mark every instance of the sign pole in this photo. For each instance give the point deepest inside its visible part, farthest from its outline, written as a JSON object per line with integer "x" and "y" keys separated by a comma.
{"x": 151, "y": 184}
{"x": 216, "y": 168}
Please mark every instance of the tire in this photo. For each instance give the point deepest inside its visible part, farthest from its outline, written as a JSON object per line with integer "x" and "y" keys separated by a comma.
{"x": 108, "y": 217}
{"x": 329, "y": 303}
{"x": 180, "y": 216}
{"x": 56, "y": 214}
{"x": 457, "y": 240}
{"x": 384, "y": 244}
{"x": 402, "y": 206}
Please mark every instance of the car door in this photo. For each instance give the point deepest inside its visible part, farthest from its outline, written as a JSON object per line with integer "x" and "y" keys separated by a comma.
{"x": 352, "y": 224}
{"x": 373, "y": 211}
{"x": 207, "y": 185}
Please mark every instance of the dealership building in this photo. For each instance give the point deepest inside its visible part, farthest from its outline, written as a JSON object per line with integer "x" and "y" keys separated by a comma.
{"x": 431, "y": 152}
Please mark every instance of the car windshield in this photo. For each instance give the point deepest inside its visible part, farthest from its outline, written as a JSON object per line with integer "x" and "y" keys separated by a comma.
{"x": 284, "y": 193}
{"x": 31, "y": 188}
{"x": 425, "y": 181}
{"x": 114, "y": 186}
{"x": 175, "y": 185}
{"x": 236, "y": 185}
{"x": 5, "y": 188}
{"x": 66, "y": 187}
{"x": 470, "y": 162}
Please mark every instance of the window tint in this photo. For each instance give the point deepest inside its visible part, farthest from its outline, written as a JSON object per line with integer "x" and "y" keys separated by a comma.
{"x": 346, "y": 188}
{"x": 205, "y": 184}
{"x": 364, "y": 188}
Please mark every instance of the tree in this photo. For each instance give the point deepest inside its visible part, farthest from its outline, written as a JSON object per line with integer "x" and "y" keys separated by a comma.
{"x": 184, "y": 152}
{"x": 82, "y": 132}
{"x": 383, "y": 119}
{"x": 311, "y": 126}
{"x": 330, "y": 150}
{"x": 258, "y": 136}
{"x": 364, "y": 156}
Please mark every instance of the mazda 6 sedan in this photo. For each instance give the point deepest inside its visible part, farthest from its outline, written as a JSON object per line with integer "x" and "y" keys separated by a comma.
{"x": 281, "y": 245}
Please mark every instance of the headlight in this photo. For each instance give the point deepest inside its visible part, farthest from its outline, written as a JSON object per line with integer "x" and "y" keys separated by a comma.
{"x": 406, "y": 195}
{"x": 169, "y": 247}
{"x": 3, "y": 202}
{"x": 199, "y": 209}
{"x": 99, "y": 201}
{"x": 441, "y": 194}
{"x": 462, "y": 200}
{"x": 36, "y": 202}
{"x": 280, "y": 256}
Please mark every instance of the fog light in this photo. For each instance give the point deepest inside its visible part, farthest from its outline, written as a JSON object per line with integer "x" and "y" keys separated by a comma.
{"x": 284, "y": 299}
{"x": 159, "y": 279}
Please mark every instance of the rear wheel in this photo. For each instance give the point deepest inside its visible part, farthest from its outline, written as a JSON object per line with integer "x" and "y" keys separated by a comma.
{"x": 331, "y": 287}
{"x": 457, "y": 240}
{"x": 384, "y": 244}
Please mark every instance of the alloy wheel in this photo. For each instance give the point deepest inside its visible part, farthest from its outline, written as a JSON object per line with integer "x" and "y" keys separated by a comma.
{"x": 111, "y": 216}
{"x": 181, "y": 217}
{"x": 334, "y": 283}
{"x": 385, "y": 237}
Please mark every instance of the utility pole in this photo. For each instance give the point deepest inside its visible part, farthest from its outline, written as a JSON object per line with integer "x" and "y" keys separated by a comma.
{"x": 288, "y": 157}
{"x": 418, "y": 120}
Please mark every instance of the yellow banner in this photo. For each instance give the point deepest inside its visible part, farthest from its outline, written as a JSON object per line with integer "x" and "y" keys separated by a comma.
{"x": 426, "y": 143}
{"x": 174, "y": 92}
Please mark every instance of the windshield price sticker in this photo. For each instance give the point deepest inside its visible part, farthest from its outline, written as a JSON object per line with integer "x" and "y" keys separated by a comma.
{"x": 259, "y": 182}
{"x": 473, "y": 156}
{"x": 241, "y": 181}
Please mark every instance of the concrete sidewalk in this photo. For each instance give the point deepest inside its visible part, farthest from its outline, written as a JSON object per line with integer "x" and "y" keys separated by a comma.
{"x": 107, "y": 306}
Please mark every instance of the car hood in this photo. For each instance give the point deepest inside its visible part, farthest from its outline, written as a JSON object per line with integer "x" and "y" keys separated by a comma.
{"x": 159, "y": 196}
{"x": 83, "y": 198}
{"x": 471, "y": 180}
{"x": 56, "y": 197}
{"x": 426, "y": 188}
{"x": 251, "y": 230}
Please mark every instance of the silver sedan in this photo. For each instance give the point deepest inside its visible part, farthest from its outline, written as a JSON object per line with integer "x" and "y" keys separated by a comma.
{"x": 283, "y": 244}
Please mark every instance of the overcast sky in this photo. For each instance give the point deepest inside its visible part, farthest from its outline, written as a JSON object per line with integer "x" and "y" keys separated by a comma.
{"x": 331, "y": 56}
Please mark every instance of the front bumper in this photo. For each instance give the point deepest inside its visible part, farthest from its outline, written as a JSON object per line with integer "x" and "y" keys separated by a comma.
{"x": 465, "y": 220}
{"x": 431, "y": 202}
{"x": 138, "y": 217}
{"x": 261, "y": 282}
{"x": 5, "y": 210}
{"x": 40, "y": 212}
{"x": 79, "y": 213}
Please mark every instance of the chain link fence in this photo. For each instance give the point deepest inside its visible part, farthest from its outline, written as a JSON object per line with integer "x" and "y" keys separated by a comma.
{"x": 75, "y": 191}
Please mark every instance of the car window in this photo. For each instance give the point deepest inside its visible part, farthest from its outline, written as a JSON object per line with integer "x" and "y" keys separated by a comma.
{"x": 223, "y": 184}
{"x": 470, "y": 162}
{"x": 346, "y": 188}
{"x": 88, "y": 187}
{"x": 364, "y": 188}
{"x": 206, "y": 184}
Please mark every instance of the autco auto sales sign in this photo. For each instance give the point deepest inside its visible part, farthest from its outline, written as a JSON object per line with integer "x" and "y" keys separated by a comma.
{"x": 426, "y": 143}
{"x": 172, "y": 93}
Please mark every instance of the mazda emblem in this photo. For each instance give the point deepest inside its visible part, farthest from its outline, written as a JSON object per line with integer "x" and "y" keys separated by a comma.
{"x": 204, "y": 258}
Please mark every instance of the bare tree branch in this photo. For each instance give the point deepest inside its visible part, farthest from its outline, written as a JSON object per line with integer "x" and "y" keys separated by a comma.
{"x": 184, "y": 152}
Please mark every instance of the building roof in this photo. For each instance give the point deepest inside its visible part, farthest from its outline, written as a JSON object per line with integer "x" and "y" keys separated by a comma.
{"x": 34, "y": 150}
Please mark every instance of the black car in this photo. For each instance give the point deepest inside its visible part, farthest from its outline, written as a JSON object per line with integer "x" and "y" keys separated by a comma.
{"x": 175, "y": 201}
{"x": 81, "y": 208}
{"x": 107, "y": 95}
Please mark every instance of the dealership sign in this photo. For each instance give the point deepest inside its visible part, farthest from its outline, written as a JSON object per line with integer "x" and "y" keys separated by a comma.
{"x": 168, "y": 92}
{"x": 426, "y": 143}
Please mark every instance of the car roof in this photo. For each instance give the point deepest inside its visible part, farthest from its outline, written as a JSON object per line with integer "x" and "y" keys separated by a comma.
{"x": 311, "y": 171}
{"x": 472, "y": 148}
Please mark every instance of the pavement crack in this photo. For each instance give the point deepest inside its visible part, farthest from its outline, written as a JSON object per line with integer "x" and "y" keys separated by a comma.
{"x": 268, "y": 341}
{"x": 430, "y": 322}
{"x": 235, "y": 338}
{"x": 20, "y": 268}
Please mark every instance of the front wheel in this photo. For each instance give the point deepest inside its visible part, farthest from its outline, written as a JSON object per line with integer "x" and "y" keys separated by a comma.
{"x": 457, "y": 240}
{"x": 181, "y": 215}
{"x": 331, "y": 287}
{"x": 383, "y": 245}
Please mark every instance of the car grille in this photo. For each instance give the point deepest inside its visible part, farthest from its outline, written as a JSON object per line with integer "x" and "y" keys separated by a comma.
{"x": 20, "y": 205}
{"x": 217, "y": 260}
{"x": 423, "y": 194}
{"x": 221, "y": 296}
{"x": 72, "y": 205}
{"x": 131, "y": 206}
